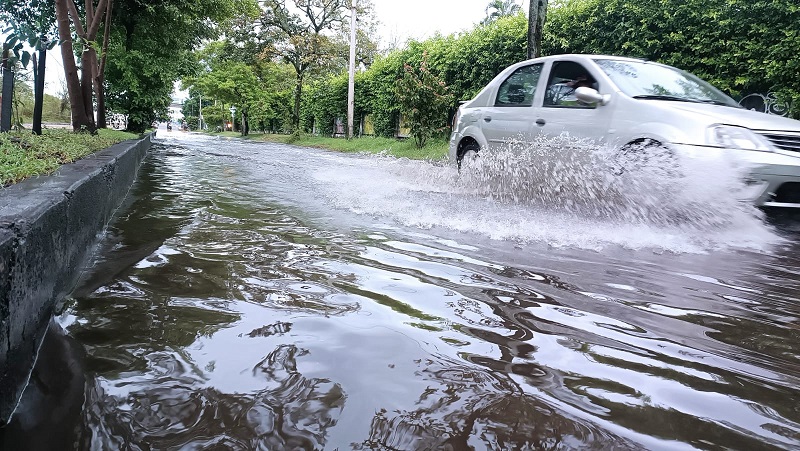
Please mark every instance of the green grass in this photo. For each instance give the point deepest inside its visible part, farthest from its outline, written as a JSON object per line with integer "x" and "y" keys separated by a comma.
{"x": 41, "y": 155}
{"x": 435, "y": 149}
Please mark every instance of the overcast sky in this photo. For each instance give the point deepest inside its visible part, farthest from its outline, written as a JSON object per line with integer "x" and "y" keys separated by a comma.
{"x": 421, "y": 19}
{"x": 400, "y": 20}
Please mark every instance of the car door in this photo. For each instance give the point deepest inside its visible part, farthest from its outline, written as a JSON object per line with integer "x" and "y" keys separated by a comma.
{"x": 562, "y": 113}
{"x": 512, "y": 113}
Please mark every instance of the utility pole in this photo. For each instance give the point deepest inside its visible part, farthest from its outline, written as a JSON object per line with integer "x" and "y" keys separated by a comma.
{"x": 351, "y": 80}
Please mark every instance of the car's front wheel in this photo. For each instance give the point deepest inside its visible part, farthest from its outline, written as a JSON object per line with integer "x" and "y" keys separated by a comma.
{"x": 468, "y": 154}
{"x": 645, "y": 154}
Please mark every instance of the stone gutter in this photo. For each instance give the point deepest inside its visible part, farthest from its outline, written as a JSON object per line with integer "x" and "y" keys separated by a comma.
{"x": 48, "y": 229}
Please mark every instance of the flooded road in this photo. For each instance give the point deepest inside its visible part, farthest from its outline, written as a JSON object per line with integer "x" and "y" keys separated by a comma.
{"x": 262, "y": 296}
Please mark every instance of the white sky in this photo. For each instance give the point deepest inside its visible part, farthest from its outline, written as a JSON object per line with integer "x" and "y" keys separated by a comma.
{"x": 399, "y": 21}
{"x": 54, "y": 72}
{"x": 420, "y": 19}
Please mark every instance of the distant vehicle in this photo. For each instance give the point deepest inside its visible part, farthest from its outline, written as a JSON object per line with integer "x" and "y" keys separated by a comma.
{"x": 169, "y": 126}
{"x": 633, "y": 105}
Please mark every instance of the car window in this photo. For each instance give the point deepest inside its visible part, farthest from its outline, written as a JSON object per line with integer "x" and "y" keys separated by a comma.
{"x": 565, "y": 77}
{"x": 641, "y": 79}
{"x": 519, "y": 88}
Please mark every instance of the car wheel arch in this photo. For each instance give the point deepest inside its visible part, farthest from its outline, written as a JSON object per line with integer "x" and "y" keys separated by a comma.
{"x": 464, "y": 143}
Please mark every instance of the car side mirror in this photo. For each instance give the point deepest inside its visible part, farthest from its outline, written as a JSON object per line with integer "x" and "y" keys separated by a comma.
{"x": 591, "y": 96}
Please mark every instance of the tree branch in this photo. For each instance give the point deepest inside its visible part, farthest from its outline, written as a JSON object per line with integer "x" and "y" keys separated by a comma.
{"x": 73, "y": 13}
{"x": 106, "y": 37}
{"x": 97, "y": 18}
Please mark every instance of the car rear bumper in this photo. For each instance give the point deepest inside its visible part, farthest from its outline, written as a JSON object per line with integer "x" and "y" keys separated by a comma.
{"x": 455, "y": 137}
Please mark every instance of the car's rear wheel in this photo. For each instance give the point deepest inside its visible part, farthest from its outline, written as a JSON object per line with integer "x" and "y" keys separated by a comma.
{"x": 468, "y": 154}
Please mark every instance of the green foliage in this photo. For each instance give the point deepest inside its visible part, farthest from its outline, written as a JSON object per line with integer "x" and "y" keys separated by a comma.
{"x": 323, "y": 103}
{"x": 424, "y": 99}
{"x": 31, "y": 155}
{"x": 375, "y": 93}
{"x": 739, "y": 46}
{"x": 215, "y": 115}
{"x": 471, "y": 60}
{"x": 192, "y": 122}
{"x": 27, "y": 22}
{"x": 150, "y": 49}
{"x": 298, "y": 34}
{"x": 258, "y": 88}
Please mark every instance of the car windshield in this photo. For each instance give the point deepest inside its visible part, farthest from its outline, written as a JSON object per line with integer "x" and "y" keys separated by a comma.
{"x": 643, "y": 80}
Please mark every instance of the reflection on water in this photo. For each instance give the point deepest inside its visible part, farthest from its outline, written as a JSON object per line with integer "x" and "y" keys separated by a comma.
{"x": 468, "y": 408}
{"x": 257, "y": 296}
{"x": 168, "y": 407}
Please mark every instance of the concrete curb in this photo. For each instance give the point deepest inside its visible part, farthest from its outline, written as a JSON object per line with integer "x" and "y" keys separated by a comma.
{"x": 48, "y": 227}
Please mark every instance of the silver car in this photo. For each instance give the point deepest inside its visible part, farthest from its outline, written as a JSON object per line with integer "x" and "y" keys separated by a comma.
{"x": 632, "y": 104}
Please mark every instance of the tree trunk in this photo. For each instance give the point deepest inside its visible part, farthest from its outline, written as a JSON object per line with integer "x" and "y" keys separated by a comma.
{"x": 88, "y": 67}
{"x": 537, "y": 13}
{"x": 97, "y": 86}
{"x": 79, "y": 119}
{"x": 38, "y": 95}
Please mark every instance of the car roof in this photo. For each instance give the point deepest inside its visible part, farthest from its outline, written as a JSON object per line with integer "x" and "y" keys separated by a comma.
{"x": 583, "y": 56}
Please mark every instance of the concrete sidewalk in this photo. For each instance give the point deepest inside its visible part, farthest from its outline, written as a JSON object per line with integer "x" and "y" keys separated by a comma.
{"x": 48, "y": 227}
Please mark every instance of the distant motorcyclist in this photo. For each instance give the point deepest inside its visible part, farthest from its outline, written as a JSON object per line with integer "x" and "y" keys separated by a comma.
{"x": 169, "y": 126}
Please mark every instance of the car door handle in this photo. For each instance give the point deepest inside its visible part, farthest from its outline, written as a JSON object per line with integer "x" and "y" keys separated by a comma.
{"x": 540, "y": 122}
{"x": 487, "y": 119}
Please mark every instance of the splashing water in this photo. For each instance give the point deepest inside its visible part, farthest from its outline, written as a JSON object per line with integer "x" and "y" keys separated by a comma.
{"x": 565, "y": 192}
{"x": 644, "y": 185}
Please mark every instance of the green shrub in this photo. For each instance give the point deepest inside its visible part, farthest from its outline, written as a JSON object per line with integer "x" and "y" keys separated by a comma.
{"x": 424, "y": 99}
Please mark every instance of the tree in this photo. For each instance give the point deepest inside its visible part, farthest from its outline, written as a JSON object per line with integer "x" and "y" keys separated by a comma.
{"x": 537, "y": 13}
{"x": 99, "y": 69}
{"x": 233, "y": 83}
{"x": 33, "y": 22}
{"x": 424, "y": 99}
{"x": 301, "y": 39}
{"x": 257, "y": 87}
{"x": 151, "y": 48}
{"x": 500, "y": 8}
{"x": 80, "y": 89}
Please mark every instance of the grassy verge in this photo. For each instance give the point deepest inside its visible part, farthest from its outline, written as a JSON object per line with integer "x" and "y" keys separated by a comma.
{"x": 435, "y": 149}
{"x": 23, "y": 154}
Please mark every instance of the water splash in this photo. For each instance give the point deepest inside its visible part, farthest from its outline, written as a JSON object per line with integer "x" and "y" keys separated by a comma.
{"x": 644, "y": 185}
{"x": 564, "y": 192}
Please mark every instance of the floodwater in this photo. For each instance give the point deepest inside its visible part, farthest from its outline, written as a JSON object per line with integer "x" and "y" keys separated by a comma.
{"x": 263, "y": 296}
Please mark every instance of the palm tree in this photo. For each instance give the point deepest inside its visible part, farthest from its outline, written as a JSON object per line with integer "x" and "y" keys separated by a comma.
{"x": 500, "y": 8}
